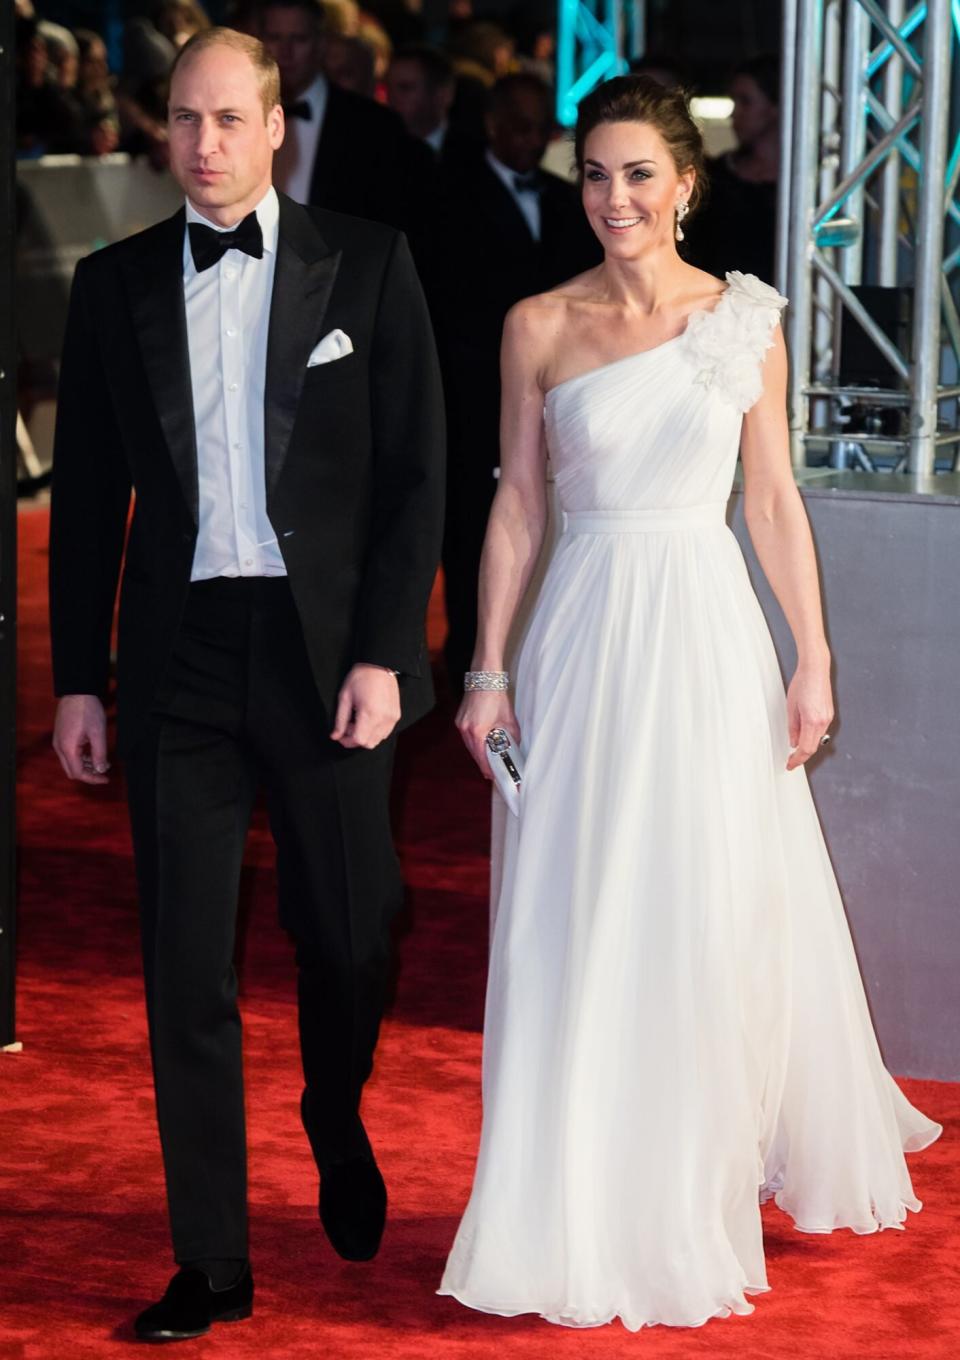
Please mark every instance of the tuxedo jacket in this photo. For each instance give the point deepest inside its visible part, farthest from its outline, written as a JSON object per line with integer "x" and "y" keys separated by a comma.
{"x": 459, "y": 153}
{"x": 353, "y": 455}
{"x": 367, "y": 164}
{"x": 484, "y": 259}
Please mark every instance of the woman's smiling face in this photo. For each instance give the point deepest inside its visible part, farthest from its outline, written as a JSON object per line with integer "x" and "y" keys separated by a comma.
{"x": 631, "y": 188}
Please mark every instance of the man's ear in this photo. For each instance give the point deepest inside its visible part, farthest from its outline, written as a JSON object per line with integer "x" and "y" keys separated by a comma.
{"x": 276, "y": 126}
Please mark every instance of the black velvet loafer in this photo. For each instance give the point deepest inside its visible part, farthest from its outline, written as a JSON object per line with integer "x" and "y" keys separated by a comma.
{"x": 353, "y": 1207}
{"x": 190, "y": 1307}
{"x": 353, "y": 1197}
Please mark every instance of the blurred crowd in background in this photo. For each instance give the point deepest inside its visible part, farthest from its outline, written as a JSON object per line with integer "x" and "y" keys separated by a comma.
{"x": 72, "y": 98}
{"x": 71, "y": 101}
{"x": 447, "y": 140}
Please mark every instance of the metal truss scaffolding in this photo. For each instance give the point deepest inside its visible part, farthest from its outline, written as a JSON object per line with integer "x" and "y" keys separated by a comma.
{"x": 595, "y": 39}
{"x": 869, "y": 232}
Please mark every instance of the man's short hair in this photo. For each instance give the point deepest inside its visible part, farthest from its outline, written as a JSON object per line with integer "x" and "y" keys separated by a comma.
{"x": 313, "y": 9}
{"x": 265, "y": 68}
{"x": 518, "y": 82}
{"x": 436, "y": 66}
{"x": 764, "y": 71}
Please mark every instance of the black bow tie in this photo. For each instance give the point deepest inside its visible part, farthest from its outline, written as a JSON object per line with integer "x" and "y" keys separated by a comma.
{"x": 298, "y": 108}
{"x": 527, "y": 184}
{"x": 208, "y": 247}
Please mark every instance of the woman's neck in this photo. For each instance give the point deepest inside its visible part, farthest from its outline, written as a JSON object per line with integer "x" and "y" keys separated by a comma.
{"x": 645, "y": 285}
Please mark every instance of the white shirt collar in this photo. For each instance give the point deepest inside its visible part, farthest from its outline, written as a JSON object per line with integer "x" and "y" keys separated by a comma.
{"x": 437, "y": 136}
{"x": 503, "y": 172}
{"x": 268, "y": 215}
{"x": 316, "y": 96}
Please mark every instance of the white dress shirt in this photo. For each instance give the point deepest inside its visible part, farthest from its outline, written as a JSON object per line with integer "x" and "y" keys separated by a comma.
{"x": 228, "y": 315}
{"x": 293, "y": 163}
{"x": 528, "y": 202}
{"x": 437, "y": 137}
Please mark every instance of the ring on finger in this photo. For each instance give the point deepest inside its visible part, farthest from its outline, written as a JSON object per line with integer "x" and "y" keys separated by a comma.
{"x": 825, "y": 739}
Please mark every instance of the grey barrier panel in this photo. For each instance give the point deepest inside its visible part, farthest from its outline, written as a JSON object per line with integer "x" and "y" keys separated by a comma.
{"x": 887, "y": 789}
{"x": 67, "y": 207}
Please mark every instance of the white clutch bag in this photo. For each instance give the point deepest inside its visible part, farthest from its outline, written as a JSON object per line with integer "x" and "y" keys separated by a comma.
{"x": 507, "y": 767}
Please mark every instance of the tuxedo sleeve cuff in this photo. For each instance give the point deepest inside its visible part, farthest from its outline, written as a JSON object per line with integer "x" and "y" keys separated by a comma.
{"x": 398, "y": 656}
{"x": 378, "y": 665}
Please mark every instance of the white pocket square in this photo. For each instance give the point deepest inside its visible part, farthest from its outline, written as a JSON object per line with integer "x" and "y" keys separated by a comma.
{"x": 335, "y": 345}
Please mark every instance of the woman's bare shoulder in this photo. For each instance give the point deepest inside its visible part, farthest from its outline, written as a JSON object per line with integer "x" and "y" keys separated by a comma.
{"x": 540, "y": 319}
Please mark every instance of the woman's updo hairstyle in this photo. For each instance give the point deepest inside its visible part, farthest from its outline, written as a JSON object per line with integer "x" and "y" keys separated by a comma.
{"x": 640, "y": 99}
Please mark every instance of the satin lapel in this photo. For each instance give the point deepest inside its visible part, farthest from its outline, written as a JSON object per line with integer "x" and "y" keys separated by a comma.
{"x": 303, "y": 281}
{"x": 155, "y": 289}
{"x": 498, "y": 203}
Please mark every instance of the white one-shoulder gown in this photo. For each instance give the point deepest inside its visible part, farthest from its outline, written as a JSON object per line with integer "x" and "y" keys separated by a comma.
{"x": 676, "y": 1028}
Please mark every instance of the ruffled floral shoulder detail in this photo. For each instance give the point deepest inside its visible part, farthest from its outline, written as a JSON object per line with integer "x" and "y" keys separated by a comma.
{"x": 727, "y": 344}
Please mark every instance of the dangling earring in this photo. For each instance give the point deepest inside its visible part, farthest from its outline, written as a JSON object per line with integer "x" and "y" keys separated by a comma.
{"x": 682, "y": 209}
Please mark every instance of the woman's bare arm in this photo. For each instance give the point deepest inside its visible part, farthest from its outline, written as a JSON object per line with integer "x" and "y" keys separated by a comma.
{"x": 517, "y": 521}
{"x": 780, "y": 533}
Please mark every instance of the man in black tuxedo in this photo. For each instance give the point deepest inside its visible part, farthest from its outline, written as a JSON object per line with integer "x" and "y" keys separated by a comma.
{"x": 505, "y": 229}
{"x": 342, "y": 151}
{"x": 421, "y": 84}
{"x": 264, "y": 377}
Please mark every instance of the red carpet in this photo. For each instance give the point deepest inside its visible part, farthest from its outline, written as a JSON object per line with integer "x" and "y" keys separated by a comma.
{"x": 82, "y": 1233}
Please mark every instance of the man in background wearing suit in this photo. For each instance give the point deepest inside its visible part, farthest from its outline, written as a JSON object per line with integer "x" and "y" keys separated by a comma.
{"x": 342, "y": 151}
{"x": 263, "y": 376}
{"x": 421, "y": 85}
{"x": 504, "y": 229}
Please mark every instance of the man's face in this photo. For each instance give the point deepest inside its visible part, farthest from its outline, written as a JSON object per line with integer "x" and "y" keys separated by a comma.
{"x": 294, "y": 41}
{"x": 422, "y": 106}
{"x": 93, "y": 67}
{"x": 68, "y": 68}
{"x": 221, "y": 143}
{"x": 33, "y": 59}
{"x": 753, "y": 113}
{"x": 519, "y": 130}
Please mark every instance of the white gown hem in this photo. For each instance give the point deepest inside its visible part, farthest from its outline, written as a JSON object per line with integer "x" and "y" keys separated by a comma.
{"x": 737, "y": 1308}
{"x": 860, "y": 1229}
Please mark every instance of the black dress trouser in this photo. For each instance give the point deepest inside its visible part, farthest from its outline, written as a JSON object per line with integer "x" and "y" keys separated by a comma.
{"x": 238, "y": 707}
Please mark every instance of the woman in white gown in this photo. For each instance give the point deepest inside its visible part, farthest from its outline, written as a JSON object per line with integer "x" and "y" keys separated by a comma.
{"x": 676, "y": 1027}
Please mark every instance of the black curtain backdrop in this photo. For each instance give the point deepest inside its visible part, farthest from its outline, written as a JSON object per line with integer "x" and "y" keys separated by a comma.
{"x": 8, "y": 537}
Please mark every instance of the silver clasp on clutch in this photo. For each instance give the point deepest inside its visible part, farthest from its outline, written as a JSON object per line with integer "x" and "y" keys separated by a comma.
{"x": 498, "y": 743}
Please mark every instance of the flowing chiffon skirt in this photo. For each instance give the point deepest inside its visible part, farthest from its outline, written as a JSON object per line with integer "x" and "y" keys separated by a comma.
{"x": 676, "y": 1027}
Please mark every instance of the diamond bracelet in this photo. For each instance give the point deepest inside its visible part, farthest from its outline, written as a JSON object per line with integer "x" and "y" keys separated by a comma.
{"x": 488, "y": 680}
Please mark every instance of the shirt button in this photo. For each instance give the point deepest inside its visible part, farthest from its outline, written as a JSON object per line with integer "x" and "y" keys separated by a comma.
{"x": 236, "y": 443}
{"x": 233, "y": 387}
{"x": 248, "y": 562}
{"x": 230, "y": 273}
{"x": 231, "y": 332}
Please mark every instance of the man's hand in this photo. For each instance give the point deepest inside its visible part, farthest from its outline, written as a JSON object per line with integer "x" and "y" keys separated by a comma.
{"x": 80, "y": 738}
{"x": 368, "y": 707}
